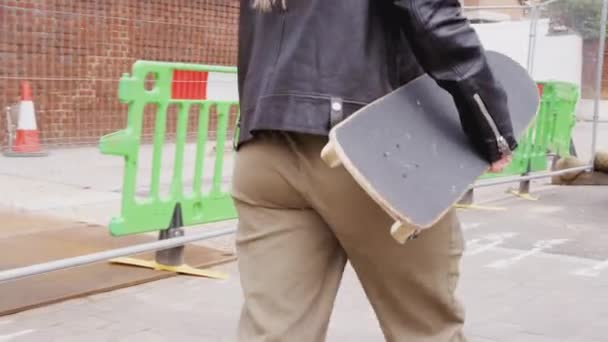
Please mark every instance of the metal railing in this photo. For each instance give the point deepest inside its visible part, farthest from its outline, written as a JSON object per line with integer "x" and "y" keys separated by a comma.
{"x": 87, "y": 259}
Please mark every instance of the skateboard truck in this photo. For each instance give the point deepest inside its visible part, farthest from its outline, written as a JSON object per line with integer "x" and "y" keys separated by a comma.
{"x": 330, "y": 156}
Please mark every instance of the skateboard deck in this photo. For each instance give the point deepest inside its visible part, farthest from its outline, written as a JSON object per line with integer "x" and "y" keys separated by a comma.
{"x": 408, "y": 151}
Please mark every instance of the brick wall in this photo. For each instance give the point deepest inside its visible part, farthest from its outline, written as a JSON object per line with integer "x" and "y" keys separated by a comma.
{"x": 74, "y": 52}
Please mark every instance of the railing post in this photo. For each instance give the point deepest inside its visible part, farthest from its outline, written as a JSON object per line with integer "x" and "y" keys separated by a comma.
{"x": 172, "y": 256}
{"x": 599, "y": 78}
{"x": 532, "y": 41}
{"x": 468, "y": 198}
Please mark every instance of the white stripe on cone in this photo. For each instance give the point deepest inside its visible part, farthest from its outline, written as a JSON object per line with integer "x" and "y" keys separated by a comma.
{"x": 27, "y": 116}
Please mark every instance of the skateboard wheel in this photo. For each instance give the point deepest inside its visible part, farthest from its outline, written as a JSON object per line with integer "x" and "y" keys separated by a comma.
{"x": 330, "y": 156}
{"x": 402, "y": 232}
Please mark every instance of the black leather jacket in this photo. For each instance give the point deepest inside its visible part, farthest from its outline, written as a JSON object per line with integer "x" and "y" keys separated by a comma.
{"x": 294, "y": 64}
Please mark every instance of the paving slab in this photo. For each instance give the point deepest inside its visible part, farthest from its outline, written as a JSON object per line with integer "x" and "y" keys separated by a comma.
{"x": 536, "y": 271}
{"x": 512, "y": 292}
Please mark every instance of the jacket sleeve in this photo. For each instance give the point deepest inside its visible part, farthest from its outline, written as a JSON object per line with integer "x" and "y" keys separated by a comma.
{"x": 449, "y": 50}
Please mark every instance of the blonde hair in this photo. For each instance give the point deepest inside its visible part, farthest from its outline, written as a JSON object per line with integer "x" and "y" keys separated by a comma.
{"x": 266, "y": 5}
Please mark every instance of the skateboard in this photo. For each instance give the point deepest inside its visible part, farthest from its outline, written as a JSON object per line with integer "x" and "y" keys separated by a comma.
{"x": 407, "y": 150}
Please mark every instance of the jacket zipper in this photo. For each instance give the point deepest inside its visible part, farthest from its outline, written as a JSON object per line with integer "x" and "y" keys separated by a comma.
{"x": 501, "y": 142}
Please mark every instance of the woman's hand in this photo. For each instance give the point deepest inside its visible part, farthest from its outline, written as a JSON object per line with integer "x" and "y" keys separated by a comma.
{"x": 499, "y": 165}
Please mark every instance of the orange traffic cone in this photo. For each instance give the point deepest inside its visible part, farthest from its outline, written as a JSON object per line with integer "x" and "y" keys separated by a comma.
{"x": 27, "y": 136}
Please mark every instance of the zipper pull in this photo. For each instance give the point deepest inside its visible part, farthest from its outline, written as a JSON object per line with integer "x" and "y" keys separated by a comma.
{"x": 501, "y": 142}
{"x": 503, "y": 146}
{"x": 236, "y": 134}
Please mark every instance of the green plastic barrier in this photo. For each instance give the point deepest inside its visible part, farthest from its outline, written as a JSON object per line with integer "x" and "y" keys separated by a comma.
{"x": 550, "y": 131}
{"x": 182, "y": 85}
{"x": 540, "y": 136}
{"x": 525, "y": 151}
{"x": 564, "y": 98}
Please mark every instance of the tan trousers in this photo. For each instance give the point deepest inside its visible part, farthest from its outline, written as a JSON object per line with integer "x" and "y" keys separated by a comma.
{"x": 300, "y": 221}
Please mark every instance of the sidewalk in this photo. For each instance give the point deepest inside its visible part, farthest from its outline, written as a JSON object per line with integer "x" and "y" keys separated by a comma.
{"x": 536, "y": 271}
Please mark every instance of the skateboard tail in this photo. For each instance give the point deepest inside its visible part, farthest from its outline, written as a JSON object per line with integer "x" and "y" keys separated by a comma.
{"x": 333, "y": 155}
